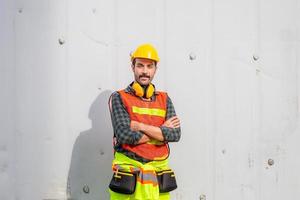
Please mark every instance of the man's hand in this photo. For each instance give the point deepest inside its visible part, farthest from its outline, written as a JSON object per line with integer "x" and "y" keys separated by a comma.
{"x": 144, "y": 139}
{"x": 172, "y": 122}
{"x": 135, "y": 126}
{"x": 152, "y": 132}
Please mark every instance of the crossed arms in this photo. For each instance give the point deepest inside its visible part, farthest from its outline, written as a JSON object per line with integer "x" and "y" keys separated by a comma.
{"x": 133, "y": 132}
{"x": 154, "y": 132}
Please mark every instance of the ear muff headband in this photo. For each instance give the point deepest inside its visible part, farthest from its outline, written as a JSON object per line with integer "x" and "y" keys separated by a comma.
{"x": 139, "y": 90}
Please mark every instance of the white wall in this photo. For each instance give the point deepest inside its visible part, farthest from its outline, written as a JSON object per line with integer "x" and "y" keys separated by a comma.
{"x": 7, "y": 101}
{"x": 231, "y": 69}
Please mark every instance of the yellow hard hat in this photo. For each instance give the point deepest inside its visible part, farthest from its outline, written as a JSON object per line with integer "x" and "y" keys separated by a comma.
{"x": 145, "y": 51}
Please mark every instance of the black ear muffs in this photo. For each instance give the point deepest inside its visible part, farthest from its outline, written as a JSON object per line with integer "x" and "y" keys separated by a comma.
{"x": 141, "y": 92}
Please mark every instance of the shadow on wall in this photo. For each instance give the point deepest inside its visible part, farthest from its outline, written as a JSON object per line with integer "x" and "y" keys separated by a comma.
{"x": 90, "y": 170}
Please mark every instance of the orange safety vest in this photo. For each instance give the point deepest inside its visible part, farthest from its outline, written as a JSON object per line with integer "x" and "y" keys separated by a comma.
{"x": 151, "y": 113}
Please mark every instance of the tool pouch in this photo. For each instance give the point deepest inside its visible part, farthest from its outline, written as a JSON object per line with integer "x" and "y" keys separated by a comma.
{"x": 166, "y": 180}
{"x": 123, "y": 182}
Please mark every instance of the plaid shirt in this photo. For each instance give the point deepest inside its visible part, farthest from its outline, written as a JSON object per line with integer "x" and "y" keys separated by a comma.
{"x": 121, "y": 125}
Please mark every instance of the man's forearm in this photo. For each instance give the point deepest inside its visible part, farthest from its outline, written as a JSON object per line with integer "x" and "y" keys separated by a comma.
{"x": 144, "y": 139}
{"x": 152, "y": 131}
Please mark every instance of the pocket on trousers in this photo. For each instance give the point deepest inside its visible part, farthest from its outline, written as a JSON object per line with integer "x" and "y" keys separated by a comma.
{"x": 166, "y": 181}
{"x": 123, "y": 182}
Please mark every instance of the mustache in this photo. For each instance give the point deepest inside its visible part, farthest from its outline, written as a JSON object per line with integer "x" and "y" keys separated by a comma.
{"x": 144, "y": 76}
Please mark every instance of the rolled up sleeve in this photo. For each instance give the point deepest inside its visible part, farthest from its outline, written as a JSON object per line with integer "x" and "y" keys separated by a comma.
{"x": 121, "y": 122}
{"x": 170, "y": 134}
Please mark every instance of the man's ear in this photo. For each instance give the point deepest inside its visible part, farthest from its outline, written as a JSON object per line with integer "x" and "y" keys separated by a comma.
{"x": 156, "y": 67}
{"x": 132, "y": 66}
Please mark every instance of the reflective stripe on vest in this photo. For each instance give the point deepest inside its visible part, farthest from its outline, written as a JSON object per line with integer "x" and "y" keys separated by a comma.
{"x": 151, "y": 113}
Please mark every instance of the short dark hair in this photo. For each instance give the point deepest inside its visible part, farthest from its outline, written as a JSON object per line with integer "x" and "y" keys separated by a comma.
{"x": 133, "y": 62}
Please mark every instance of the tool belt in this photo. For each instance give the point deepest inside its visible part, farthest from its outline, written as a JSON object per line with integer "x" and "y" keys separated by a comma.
{"x": 123, "y": 182}
{"x": 166, "y": 181}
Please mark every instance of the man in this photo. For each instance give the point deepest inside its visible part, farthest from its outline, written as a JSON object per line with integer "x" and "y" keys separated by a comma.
{"x": 144, "y": 121}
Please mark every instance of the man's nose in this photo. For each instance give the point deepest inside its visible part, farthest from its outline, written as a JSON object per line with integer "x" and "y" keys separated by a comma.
{"x": 145, "y": 70}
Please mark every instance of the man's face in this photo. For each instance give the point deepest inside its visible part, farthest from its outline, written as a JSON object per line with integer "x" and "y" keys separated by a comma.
{"x": 144, "y": 70}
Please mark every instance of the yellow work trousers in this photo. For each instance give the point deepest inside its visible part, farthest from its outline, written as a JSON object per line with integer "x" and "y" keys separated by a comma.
{"x": 143, "y": 191}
